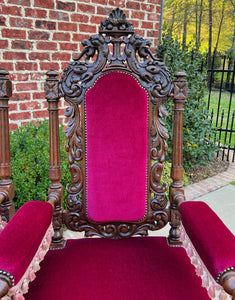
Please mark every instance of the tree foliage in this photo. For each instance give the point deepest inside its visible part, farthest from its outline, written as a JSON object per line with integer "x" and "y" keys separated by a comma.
{"x": 30, "y": 162}
{"x": 197, "y": 131}
{"x": 191, "y": 20}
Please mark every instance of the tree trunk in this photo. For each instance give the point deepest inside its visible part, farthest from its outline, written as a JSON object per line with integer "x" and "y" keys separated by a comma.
{"x": 200, "y": 23}
{"x": 210, "y": 35}
{"x": 196, "y": 24}
{"x": 172, "y": 23}
{"x": 185, "y": 25}
{"x": 219, "y": 30}
{"x": 233, "y": 43}
{"x": 230, "y": 62}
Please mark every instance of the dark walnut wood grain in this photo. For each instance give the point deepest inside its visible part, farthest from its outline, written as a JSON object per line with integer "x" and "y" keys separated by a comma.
{"x": 55, "y": 192}
{"x": 176, "y": 188}
{"x": 7, "y": 191}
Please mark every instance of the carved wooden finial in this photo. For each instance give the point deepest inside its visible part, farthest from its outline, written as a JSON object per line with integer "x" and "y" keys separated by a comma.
{"x": 51, "y": 86}
{"x": 180, "y": 86}
{"x": 116, "y": 24}
{"x": 5, "y": 84}
{"x": 52, "y": 74}
{"x": 3, "y": 72}
{"x": 180, "y": 74}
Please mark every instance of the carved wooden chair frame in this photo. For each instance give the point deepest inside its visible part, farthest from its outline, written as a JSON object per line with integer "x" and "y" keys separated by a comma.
{"x": 115, "y": 49}
{"x": 153, "y": 76}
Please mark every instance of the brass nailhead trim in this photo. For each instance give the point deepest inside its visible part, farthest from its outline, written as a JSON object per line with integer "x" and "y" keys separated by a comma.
{"x": 223, "y": 272}
{"x": 11, "y": 277}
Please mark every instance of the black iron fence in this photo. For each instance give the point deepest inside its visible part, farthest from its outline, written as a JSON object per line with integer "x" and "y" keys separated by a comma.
{"x": 221, "y": 104}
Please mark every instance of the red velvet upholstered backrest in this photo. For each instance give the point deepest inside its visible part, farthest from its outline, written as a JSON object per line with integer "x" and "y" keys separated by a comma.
{"x": 117, "y": 146}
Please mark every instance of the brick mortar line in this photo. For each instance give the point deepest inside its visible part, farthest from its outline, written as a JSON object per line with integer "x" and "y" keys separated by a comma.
{"x": 192, "y": 190}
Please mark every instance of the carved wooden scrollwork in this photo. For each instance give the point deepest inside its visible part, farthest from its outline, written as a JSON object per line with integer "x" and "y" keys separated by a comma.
{"x": 152, "y": 73}
{"x": 157, "y": 154}
{"x": 124, "y": 230}
{"x": 78, "y": 76}
{"x": 159, "y": 134}
{"x": 74, "y": 147}
{"x": 130, "y": 54}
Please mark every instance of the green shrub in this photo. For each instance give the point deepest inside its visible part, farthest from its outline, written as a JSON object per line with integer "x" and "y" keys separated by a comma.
{"x": 197, "y": 131}
{"x": 30, "y": 162}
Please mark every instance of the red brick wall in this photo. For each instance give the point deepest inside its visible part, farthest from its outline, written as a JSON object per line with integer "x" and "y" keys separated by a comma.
{"x": 37, "y": 35}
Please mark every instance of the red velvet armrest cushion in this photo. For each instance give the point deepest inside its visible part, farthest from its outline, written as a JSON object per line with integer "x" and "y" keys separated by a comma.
{"x": 20, "y": 239}
{"x": 213, "y": 241}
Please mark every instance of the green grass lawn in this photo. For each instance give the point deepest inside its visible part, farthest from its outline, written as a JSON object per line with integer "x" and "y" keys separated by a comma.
{"x": 222, "y": 123}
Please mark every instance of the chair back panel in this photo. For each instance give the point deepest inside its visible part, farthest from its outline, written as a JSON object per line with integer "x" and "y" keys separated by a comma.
{"x": 116, "y": 89}
{"x": 117, "y": 148}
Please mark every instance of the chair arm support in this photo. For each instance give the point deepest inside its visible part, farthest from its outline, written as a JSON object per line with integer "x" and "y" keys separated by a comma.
{"x": 7, "y": 190}
{"x": 3, "y": 195}
{"x": 54, "y": 198}
{"x": 21, "y": 240}
{"x": 212, "y": 240}
{"x": 55, "y": 194}
{"x": 177, "y": 197}
{"x": 7, "y": 193}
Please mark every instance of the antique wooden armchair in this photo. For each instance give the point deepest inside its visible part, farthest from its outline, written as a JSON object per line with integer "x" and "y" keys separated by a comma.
{"x": 116, "y": 147}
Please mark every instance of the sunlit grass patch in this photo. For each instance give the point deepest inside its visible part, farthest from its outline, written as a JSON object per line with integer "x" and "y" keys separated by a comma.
{"x": 223, "y": 116}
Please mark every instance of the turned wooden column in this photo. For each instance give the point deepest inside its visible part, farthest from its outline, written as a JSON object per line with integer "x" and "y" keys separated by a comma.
{"x": 176, "y": 188}
{"x": 55, "y": 192}
{"x": 7, "y": 191}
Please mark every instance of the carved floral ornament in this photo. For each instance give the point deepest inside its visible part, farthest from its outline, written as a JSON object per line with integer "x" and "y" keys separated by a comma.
{"x": 131, "y": 55}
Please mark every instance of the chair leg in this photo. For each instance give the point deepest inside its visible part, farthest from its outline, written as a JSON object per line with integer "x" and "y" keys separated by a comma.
{"x": 7, "y": 191}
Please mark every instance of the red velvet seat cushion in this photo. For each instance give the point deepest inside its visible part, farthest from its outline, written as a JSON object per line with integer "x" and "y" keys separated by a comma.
{"x": 128, "y": 269}
{"x": 117, "y": 144}
{"x": 20, "y": 239}
{"x": 213, "y": 241}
